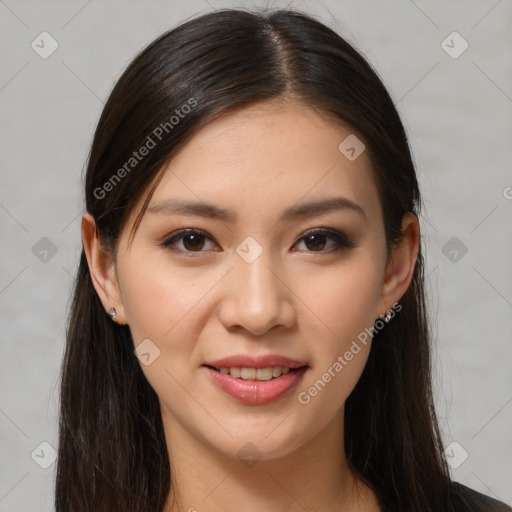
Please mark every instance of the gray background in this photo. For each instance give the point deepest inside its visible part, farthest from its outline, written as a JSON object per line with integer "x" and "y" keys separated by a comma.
{"x": 458, "y": 115}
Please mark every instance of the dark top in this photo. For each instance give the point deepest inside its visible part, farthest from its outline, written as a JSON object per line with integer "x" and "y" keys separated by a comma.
{"x": 466, "y": 499}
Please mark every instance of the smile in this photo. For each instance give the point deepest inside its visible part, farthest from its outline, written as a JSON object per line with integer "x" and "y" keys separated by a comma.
{"x": 271, "y": 372}
{"x": 255, "y": 386}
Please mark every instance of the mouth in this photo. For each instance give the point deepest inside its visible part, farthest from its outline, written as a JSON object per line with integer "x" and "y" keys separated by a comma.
{"x": 256, "y": 374}
{"x": 256, "y": 386}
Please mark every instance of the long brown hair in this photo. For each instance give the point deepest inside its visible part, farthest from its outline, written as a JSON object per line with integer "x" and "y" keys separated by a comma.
{"x": 112, "y": 453}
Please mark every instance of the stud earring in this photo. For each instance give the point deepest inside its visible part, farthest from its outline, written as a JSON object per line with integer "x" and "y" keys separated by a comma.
{"x": 112, "y": 313}
{"x": 387, "y": 316}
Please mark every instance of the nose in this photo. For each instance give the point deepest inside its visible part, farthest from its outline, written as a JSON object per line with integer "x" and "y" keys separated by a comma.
{"x": 257, "y": 297}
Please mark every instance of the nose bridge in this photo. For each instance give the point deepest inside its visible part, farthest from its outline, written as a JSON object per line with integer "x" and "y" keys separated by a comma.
{"x": 259, "y": 280}
{"x": 258, "y": 299}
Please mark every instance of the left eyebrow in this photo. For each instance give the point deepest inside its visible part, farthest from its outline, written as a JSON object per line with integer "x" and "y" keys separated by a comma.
{"x": 321, "y": 207}
{"x": 201, "y": 209}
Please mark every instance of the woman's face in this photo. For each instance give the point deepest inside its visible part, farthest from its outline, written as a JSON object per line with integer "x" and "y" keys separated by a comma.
{"x": 254, "y": 280}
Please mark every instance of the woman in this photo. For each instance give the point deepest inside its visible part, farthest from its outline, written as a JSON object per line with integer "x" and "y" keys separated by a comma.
{"x": 248, "y": 328}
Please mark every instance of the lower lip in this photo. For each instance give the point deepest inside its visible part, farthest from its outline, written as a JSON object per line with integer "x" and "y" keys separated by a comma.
{"x": 256, "y": 392}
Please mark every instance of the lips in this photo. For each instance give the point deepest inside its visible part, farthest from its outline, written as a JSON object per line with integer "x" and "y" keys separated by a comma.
{"x": 255, "y": 392}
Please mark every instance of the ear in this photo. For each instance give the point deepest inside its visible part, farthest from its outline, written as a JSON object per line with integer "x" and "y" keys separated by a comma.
{"x": 400, "y": 267}
{"x": 102, "y": 269}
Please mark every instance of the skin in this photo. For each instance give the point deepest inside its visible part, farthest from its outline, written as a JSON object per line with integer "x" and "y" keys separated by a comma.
{"x": 299, "y": 299}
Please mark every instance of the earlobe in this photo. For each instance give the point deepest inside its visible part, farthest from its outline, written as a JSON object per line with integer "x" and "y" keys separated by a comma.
{"x": 102, "y": 270}
{"x": 400, "y": 267}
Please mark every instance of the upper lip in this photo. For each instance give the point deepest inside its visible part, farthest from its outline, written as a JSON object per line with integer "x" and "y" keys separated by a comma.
{"x": 263, "y": 361}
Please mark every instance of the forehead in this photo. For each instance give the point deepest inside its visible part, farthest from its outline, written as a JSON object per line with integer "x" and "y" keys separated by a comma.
{"x": 264, "y": 158}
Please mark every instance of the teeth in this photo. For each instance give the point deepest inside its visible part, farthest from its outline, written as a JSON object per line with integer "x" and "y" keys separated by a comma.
{"x": 248, "y": 373}
{"x": 235, "y": 372}
{"x": 255, "y": 373}
{"x": 264, "y": 373}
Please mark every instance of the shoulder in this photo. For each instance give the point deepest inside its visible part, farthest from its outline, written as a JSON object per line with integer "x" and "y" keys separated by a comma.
{"x": 465, "y": 499}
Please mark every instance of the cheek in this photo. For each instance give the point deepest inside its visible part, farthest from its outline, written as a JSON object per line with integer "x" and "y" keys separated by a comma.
{"x": 156, "y": 297}
{"x": 164, "y": 306}
{"x": 343, "y": 302}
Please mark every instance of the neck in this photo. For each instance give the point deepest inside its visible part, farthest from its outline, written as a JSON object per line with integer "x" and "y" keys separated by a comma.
{"x": 314, "y": 477}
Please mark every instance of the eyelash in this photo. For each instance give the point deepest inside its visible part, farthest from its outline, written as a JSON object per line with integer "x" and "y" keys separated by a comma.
{"x": 342, "y": 241}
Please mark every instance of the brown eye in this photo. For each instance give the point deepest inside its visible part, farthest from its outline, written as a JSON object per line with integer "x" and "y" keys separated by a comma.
{"x": 315, "y": 241}
{"x": 192, "y": 240}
